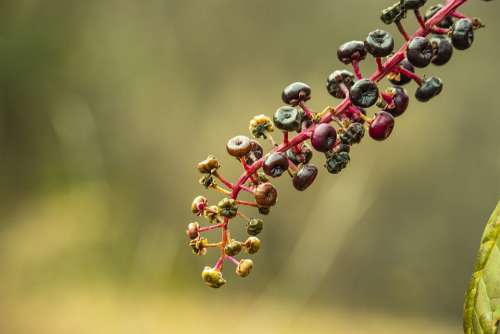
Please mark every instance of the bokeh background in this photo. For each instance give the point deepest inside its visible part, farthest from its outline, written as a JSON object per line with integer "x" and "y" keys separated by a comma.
{"x": 107, "y": 105}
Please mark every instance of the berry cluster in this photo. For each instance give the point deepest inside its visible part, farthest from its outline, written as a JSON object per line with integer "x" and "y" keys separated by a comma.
{"x": 331, "y": 132}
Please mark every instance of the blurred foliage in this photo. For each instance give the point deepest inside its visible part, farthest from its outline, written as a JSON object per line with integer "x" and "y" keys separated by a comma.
{"x": 106, "y": 106}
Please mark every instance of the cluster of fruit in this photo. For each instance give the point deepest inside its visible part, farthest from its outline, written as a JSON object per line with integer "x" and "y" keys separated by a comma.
{"x": 332, "y": 131}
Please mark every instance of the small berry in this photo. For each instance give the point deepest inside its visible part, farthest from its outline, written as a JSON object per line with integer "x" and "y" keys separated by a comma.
{"x": 193, "y": 230}
{"x": 462, "y": 34}
{"x": 445, "y": 23}
{"x": 244, "y": 268}
{"x": 379, "y": 43}
{"x": 199, "y": 203}
{"x": 263, "y": 210}
{"x": 353, "y": 50}
{"x": 211, "y": 213}
{"x": 255, "y": 226}
{"x": 392, "y": 14}
{"x": 287, "y": 119}
{"x": 256, "y": 152}
{"x": 337, "y": 162}
{"x": 443, "y": 50}
{"x": 238, "y": 146}
{"x": 412, "y": 4}
{"x": 302, "y": 157}
{"x": 228, "y": 208}
{"x": 260, "y": 125}
{"x": 323, "y": 137}
{"x": 336, "y": 79}
{"x": 233, "y": 248}
{"x": 213, "y": 277}
{"x": 199, "y": 246}
{"x": 400, "y": 101}
{"x": 419, "y": 52}
{"x": 252, "y": 245}
{"x": 295, "y": 93}
{"x": 430, "y": 88}
{"x": 353, "y": 134}
{"x": 305, "y": 177}
{"x": 364, "y": 93}
{"x": 382, "y": 125}
{"x": 266, "y": 195}
{"x": 399, "y": 79}
{"x": 209, "y": 165}
{"x": 275, "y": 164}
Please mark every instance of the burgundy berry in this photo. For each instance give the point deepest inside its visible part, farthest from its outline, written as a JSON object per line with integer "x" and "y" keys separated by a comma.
{"x": 445, "y": 23}
{"x": 353, "y": 50}
{"x": 256, "y": 152}
{"x": 443, "y": 50}
{"x": 462, "y": 34}
{"x": 265, "y": 195}
{"x": 364, "y": 93}
{"x": 430, "y": 87}
{"x": 399, "y": 79}
{"x": 302, "y": 157}
{"x": 238, "y": 146}
{"x": 323, "y": 137}
{"x": 400, "y": 101}
{"x": 305, "y": 177}
{"x": 275, "y": 164}
{"x": 379, "y": 43}
{"x": 295, "y": 93}
{"x": 336, "y": 80}
{"x": 382, "y": 125}
{"x": 419, "y": 52}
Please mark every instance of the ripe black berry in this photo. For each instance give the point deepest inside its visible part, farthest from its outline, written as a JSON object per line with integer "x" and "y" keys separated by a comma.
{"x": 462, "y": 34}
{"x": 295, "y": 93}
{"x": 382, "y": 125}
{"x": 275, "y": 164}
{"x": 256, "y": 152}
{"x": 337, "y": 162}
{"x": 238, "y": 146}
{"x": 353, "y": 50}
{"x": 430, "y": 87}
{"x": 302, "y": 157}
{"x": 265, "y": 195}
{"x": 400, "y": 101}
{"x": 305, "y": 177}
{"x": 353, "y": 134}
{"x": 419, "y": 52}
{"x": 443, "y": 50}
{"x": 334, "y": 81}
{"x": 399, "y": 79}
{"x": 364, "y": 93}
{"x": 379, "y": 43}
{"x": 412, "y": 4}
{"x": 445, "y": 23}
{"x": 323, "y": 137}
{"x": 287, "y": 119}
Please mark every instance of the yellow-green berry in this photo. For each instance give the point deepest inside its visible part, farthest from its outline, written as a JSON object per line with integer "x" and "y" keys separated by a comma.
{"x": 244, "y": 268}
{"x": 252, "y": 245}
{"x": 228, "y": 208}
{"x": 260, "y": 125}
{"x": 233, "y": 248}
{"x": 213, "y": 277}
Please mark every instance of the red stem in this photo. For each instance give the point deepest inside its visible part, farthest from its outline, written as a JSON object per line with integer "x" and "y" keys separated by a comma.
{"x": 210, "y": 228}
{"x": 308, "y": 112}
{"x": 411, "y": 75}
{"x": 357, "y": 71}
{"x": 420, "y": 19}
{"x": 402, "y": 30}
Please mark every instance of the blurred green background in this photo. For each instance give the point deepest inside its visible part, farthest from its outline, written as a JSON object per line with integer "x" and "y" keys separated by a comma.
{"x": 106, "y": 107}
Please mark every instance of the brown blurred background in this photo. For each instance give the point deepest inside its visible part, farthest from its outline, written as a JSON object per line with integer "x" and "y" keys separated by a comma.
{"x": 106, "y": 106}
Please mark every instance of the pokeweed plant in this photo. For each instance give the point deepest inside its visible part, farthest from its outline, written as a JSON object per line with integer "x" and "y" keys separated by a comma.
{"x": 333, "y": 131}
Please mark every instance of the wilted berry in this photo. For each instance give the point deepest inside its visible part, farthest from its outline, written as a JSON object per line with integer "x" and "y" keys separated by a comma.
{"x": 353, "y": 50}
{"x": 382, "y": 125}
{"x": 255, "y": 226}
{"x": 323, "y": 137}
{"x": 443, "y": 50}
{"x": 295, "y": 93}
{"x": 208, "y": 181}
{"x": 252, "y": 245}
{"x": 256, "y": 152}
{"x": 399, "y": 79}
{"x": 199, "y": 203}
{"x": 419, "y": 52}
{"x": 287, "y": 119}
{"x": 379, "y": 43}
{"x": 275, "y": 164}
{"x": 228, "y": 207}
{"x": 353, "y": 134}
{"x": 364, "y": 93}
{"x": 260, "y": 125}
{"x": 400, "y": 101}
{"x": 209, "y": 165}
{"x": 244, "y": 267}
{"x": 445, "y": 23}
{"x": 233, "y": 248}
{"x": 213, "y": 277}
{"x": 238, "y": 146}
{"x": 304, "y": 156}
{"x": 336, "y": 79}
{"x": 193, "y": 230}
{"x": 199, "y": 246}
{"x": 304, "y": 177}
{"x": 266, "y": 195}
{"x": 462, "y": 34}
{"x": 335, "y": 163}
{"x": 430, "y": 88}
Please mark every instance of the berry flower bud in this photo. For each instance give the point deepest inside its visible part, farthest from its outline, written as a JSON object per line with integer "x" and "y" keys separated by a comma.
{"x": 213, "y": 277}
{"x": 337, "y": 162}
{"x": 244, "y": 267}
{"x": 238, "y": 146}
{"x": 266, "y": 195}
{"x": 255, "y": 226}
{"x": 211, "y": 213}
{"x": 228, "y": 208}
{"x": 209, "y": 165}
{"x": 193, "y": 230}
{"x": 199, "y": 246}
{"x": 287, "y": 119}
{"x": 252, "y": 245}
{"x": 233, "y": 248}
{"x": 260, "y": 125}
{"x": 199, "y": 203}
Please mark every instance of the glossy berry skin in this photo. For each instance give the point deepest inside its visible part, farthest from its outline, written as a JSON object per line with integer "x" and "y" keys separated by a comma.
{"x": 400, "y": 101}
{"x": 323, "y": 137}
{"x": 462, "y": 34}
{"x": 295, "y": 93}
{"x": 256, "y": 152}
{"x": 266, "y": 195}
{"x": 379, "y": 43}
{"x": 353, "y": 135}
{"x": 413, "y": 4}
{"x": 445, "y": 23}
{"x": 401, "y": 79}
{"x": 430, "y": 87}
{"x": 238, "y": 146}
{"x": 275, "y": 164}
{"x": 419, "y": 52}
{"x": 193, "y": 230}
{"x": 382, "y": 125}
{"x": 305, "y": 177}
{"x": 303, "y": 157}
{"x": 364, "y": 93}
{"x": 336, "y": 79}
{"x": 287, "y": 119}
{"x": 337, "y": 162}
{"x": 353, "y": 50}
{"x": 443, "y": 50}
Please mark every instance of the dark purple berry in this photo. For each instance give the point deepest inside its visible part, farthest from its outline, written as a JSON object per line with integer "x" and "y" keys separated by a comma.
{"x": 379, "y": 43}
{"x": 399, "y": 79}
{"x": 443, "y": 50}
{"x": 266, "y": 195}
{"x": 256, "y": 152}
{"x": 419, "y": 52}
{"x": 305, "y": 177}
{"x": 353, "y": 134}
{"x": 275, "y": 164}
{"x": 287, "y": 119}
{"x": 337, "y": 162}
{"x": 412, "y": 4}
{"x": 400, "y": 101}
{"x": 295, "y": 93}
{"x": 302, "y": 157}
{"x": 323, "y": 137}
{"x": 430, "y": 87}
{"x": 382, "y": 125}
{"x": 238, "y": 146}
{"x": 353, "y": 50}
{"x": 336, "y": 80}
{"x": 462, "y": 34}
{"x": 445, "y": 23}
{"x": 364, "y": 93}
